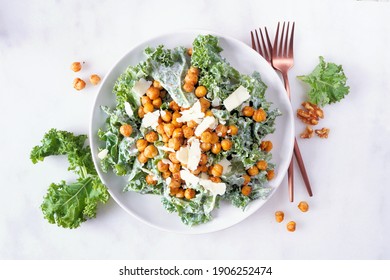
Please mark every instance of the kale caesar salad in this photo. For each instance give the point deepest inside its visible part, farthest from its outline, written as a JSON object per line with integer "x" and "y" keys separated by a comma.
{"x": 191, "y": 128}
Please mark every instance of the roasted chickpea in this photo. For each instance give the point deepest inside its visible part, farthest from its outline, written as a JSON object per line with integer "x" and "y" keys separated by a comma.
{"x": 270, "y": 175}
{"x": 148, "y": 108}
{"x": 174, "y": 167}
{"x": 203, "y": 168}
{"x": 126, "y": 130}
{"x": 166, "y": 174}
{"x": 205, "y": 146}
{"x": 141, "y": 112}
{"x": 162, "y": 167}
{"x": 193, "y": 70}
{"x": 189, "y": 51}
{"x": 246, "y": 190}
{"x": 266, "y": 146}
{"x": 142, "y": 158}
{"x": 180, "y": 193}
{"x": 173, "y": 106}
{"x": 192, "y": 124}
{"x": 216, "y": 148}
{"x": 262, "y": 165}
{"x": 215, "y": 179}
{"x": 150, "y": 180}
{"x": 221, "y": 130}
{"x": 160, "y": 128}
{"x": 172, "y": 157}
{"x": 176, "y": 115}
{"x": 176, "y": 176}
{"x": 209, "y": 113}
{"x": 206, "y": 137}
{"x": 168, "y": 129}
{"x": 166, "y": 116}
{"x": 204, "y": 104}
{"x": 151, "y": 137}
{"x": 303, "y": 206}
{"x": 200, "y": 91}
{"x": 247, "y": 179}
{"x": 157, "y": 85}
{"x": 233, "y": 130}
{"x": 252, "y": 171}
{"x": 157, "y": 103}
{"x": 259, "y": 115}
{"x": 191, "y": 78}
{"x": 150, "y": 151}
{"x": 188, "y": 132}
{"x": 189, "y": 193}
{"x": 141, "y": 144}
{"x": 279, "y": 216}
{"x": 165, "y": 138}
{"x": 214, "y": 138}
{"x": 291, "y": 226}
{"x": 217, "y": 170}
{"x": 226, "y": 144}
{"x": 76, "y": 66}
{"x": 196, "y": 171}
{"x": 248, "y": 111}
{"x": 153, "y": 93}
{"x": 145, "y": 99}
{"x": 174, "y": 183}
{"x": 188, "y": 87}
{"x": 94, "y": 79}
{"x": 174, "y": 143}
{"x": 203, "y": 159}
{"x": 78, "y": 84}
{"x": 178, "y": 133}
{"x": 173, "y": 190}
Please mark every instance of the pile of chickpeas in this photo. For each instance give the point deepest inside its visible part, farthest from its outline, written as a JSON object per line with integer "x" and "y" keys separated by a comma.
{"x": 175, "y": 135}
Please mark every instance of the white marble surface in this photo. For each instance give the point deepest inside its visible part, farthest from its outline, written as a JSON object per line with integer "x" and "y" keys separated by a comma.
{"x": 348, "y": 218}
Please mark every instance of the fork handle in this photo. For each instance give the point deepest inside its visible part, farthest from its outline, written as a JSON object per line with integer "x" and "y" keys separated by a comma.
{"x": 302, "y": 168}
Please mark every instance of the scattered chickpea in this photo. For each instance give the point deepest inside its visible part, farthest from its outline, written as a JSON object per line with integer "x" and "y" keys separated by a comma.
{"x": 174, "y": 143}
{"x": 206, "y": 137}
{"x": 141, "y": 144}
{"x": 191, "y": 78}
{"x": 203, "y": 168}
{"x": 78, "y": 84}
{"x": 226, "y": 144}
{"x": 150, "y": 151}
{"x": 176, "y": 176}
{"x": 168, "y": 129}
{"x": 279, "y": 216}
{"x": 247, "y": 179}
{"x": 157, "y": 85}
{"x": 173, "y": 106}
{"x": 215, "y": 179}
{"x": 166, "y": 174}
{"x": 175, "y": 184}
{"x": 216, "y": 148}
{"x": 141, "y": 112}
{"x": 150, "y": 180}
{"x": 162, "y": 167}
{"x": 180, "y": 193}
{"x": 204, "y": 104}
{"x": 165, "y": 138}
{"x": 203, "y": 159}
{"x": 148, "y": 108}
{"x": 76, "y": 66}
{"x": 246, "y": 190}
{"x": 252, "y": 171}
{"x": 259, "y": 115}
{"x": 200, "y": 91}
{"x": 178, "y": 133}
{"x": 188, "y": 87}
{"x": 126, "y": 130}
{"x": 270, "y": 175}
{"x": 262, "y": 165}
{"x": 233, "y": 130}
{"x": 153, "y": 93}
{"x": 160, "y": 129}
{"x": 188, "y": 132}
{"x": 214, "y": 138}
{"x": 205, "y": 146}
{"x": 174, "y": 167}
{"x": 303, "y": 206}
{"x": 94, "y": 79}
{"x": 193, "y": 70}
{"x": 142, "y": 158}
{"x": 266, "y": 146}
{"x": 189, "y": 193}
{"x": 291, "y": 226}
{"x": 166, "y": 116}
{"x": 248, "y": 111}
{"x": 217, "y": 170}
{"x": 173, "y": 190}
{"x": 189, "y": 51}
{"x": 151, "y": 137}
{"x": 197, "y": 171}
{"x": 175, "y": 116}
{"x": 145, "y": 99}
{"x": 157, "y": 102}
{"x": 192, "y": 124}
{"x": 172, "y": 157}
{"x": 221, "y": 130}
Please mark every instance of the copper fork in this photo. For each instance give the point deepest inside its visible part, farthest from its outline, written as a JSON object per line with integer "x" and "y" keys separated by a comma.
{"x": 283, "y": 60}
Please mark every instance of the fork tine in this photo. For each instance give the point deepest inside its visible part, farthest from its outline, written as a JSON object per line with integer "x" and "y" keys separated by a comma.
{"x": 291, "y": 46}
{"x": 285, "y": 49}
{"x": 269, "y": 43}
{"x": 259, "y": 45}
{"x": 280, "y": 51}
{"x": 275, "y": 49}
{"x": 265, "y": 51}
{"x": 253, "y": 42}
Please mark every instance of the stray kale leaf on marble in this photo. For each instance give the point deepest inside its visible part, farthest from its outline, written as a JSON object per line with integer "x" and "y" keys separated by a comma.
{"x": 70, "y": 204}
{"x": 327, "y": 83}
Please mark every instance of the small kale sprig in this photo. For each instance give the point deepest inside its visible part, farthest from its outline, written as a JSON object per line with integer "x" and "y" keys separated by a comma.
{"x": 327, "y": 83}
{"x": 70, "y": 204}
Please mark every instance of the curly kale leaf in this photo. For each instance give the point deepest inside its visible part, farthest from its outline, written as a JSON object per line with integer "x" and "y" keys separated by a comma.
{"x": 69, "y": 204}
{"x": 327, "y": 83}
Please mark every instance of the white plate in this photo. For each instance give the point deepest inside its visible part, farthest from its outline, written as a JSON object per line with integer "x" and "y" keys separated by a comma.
{"x": 148, "y": 208}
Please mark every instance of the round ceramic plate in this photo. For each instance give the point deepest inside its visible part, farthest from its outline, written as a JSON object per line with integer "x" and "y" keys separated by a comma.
{"x": 148, "y": 208}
